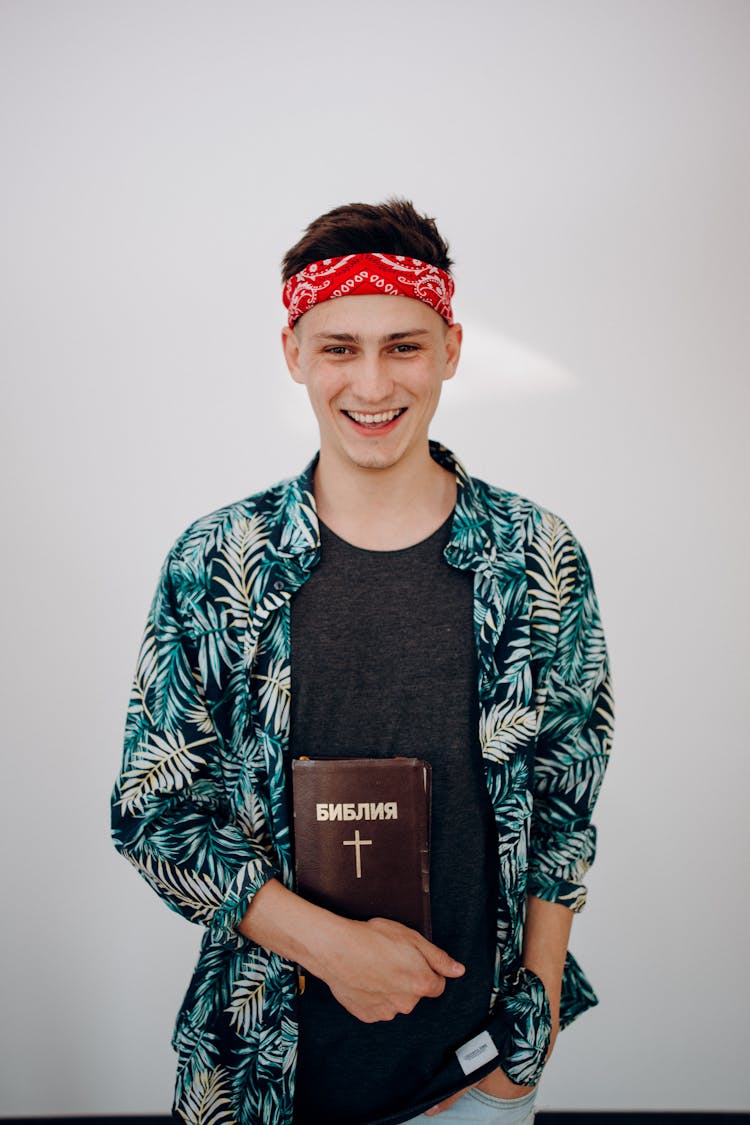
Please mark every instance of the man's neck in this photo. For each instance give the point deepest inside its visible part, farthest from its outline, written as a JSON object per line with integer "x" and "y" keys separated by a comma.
{"x": 384, "y": 509}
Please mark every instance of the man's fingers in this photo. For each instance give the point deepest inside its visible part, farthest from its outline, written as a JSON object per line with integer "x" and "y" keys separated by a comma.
{"x": 441, "y": 962}
{"x": 436, "y": 986}
{"x": 388, "y": 971}
{"x": 438, "y": 960}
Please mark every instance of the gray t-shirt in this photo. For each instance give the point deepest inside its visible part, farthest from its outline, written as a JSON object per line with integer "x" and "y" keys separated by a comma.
{"x": 384, "y": 664}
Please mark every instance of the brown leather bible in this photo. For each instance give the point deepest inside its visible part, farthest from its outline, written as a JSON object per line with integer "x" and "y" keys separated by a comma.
{"x": 362, "y": 837}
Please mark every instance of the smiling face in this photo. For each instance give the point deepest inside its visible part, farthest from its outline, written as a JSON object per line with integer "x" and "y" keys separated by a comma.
{"x": 373, "y": 367}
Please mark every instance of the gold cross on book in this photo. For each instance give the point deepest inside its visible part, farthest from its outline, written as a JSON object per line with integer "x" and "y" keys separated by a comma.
{"x": 357, "y": 844}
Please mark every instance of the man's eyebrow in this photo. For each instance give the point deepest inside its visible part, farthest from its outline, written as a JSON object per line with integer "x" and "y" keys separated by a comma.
{"x": 404, "y": 335}
{"x": 342, "y": 337}
{"x": 349, "y": 338}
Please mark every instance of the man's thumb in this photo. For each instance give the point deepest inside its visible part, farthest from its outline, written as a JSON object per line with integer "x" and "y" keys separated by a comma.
{"x": 441, "y": 962}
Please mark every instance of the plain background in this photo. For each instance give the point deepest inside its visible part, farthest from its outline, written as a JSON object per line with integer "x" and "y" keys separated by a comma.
{"x": 589, "y": 163}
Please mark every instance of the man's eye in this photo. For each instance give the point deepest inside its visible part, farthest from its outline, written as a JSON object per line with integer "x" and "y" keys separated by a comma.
{"x": 403, "y": 349}
{"x": 337, "y": 349}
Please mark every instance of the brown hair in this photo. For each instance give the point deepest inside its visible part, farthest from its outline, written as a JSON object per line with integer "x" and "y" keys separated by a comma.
{"x": 392, "y": 227}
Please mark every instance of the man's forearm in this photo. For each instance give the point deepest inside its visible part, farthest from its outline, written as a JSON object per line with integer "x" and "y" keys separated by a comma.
{"x": 281, "y": 921}
{"x": 375, "y": 969}
{"x": 545, "y": 944}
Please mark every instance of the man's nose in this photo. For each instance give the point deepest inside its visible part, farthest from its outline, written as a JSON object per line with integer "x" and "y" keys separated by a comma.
{"x": 373, "y": 381}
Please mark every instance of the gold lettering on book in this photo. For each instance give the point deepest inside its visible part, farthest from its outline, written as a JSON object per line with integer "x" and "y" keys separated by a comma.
{"x": 356, "y": 843}
{"x": 357, "y": 810}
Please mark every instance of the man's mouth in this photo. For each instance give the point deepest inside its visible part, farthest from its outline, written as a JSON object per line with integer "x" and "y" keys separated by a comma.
{"x": 376, "y": 420}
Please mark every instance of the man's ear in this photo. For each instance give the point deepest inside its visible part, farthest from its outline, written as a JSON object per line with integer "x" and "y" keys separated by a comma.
{"x": 453, "y": 339}
{"x": 290, "y": 344}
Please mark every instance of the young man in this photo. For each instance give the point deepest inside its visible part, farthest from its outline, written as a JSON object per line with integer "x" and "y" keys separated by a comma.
{"x": 381, "y": 604}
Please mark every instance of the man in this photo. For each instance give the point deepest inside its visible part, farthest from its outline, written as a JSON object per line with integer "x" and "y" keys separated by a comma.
{"x": 381, "y": 604}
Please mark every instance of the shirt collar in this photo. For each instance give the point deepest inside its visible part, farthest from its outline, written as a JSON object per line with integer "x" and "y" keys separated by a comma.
{"x": 470, "y": 545}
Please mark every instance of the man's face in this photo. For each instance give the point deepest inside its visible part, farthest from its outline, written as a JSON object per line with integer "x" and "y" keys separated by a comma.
{"x": 373, "y": 367}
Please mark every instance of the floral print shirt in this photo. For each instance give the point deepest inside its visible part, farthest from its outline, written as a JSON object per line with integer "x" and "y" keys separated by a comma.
{"x": 199, "y": 807}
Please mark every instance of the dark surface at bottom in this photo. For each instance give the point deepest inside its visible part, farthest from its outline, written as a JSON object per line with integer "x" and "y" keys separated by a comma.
{"x": 543, "y": 1117}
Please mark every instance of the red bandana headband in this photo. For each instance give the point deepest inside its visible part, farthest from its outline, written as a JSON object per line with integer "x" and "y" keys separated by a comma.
{"x": 359, "y": 274}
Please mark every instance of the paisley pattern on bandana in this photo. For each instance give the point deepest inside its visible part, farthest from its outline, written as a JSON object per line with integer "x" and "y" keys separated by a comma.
{"x": 358, "y": 274}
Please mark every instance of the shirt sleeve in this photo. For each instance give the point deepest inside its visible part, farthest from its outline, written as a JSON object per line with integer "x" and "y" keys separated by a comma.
{"x": 574, "y": 732}
{"x": 171, "y": 816}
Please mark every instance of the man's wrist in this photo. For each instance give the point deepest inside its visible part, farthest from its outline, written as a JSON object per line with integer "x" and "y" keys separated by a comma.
{"x": 545, "y": 944}
{"x": 281, "y": 921}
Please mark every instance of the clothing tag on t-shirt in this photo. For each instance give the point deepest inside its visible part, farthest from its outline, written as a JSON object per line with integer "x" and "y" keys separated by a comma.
{"x": 476, "y": 1052}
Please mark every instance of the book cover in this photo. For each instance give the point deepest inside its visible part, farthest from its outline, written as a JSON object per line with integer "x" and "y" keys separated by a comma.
{"x": 362, "y": 837}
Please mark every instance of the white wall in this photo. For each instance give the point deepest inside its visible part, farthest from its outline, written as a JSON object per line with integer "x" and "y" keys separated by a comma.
{"x": 589, "y": 163}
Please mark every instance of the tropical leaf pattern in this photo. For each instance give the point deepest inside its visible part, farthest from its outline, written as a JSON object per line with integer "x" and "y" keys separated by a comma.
{"x": 524, "y": 1008}
{"x": 200, "y": 809}
{"x": 505, "y": 728}
{"x": 208, "y": 1100}
{"x": 247, "y": 999}
{"x": 163, "y": 763}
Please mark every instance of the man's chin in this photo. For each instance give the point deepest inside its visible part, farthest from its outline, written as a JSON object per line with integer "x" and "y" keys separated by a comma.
{"x": 373, "y": 456}
{"x": 374, "y": 461}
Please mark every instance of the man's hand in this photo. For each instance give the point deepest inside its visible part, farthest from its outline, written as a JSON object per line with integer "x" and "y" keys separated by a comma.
{"x": 382, "y": 969}
{"x": 375, "y": 969}
{"x": 546, "y": 934}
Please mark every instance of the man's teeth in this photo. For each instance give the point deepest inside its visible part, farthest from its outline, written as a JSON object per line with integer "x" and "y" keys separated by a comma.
{"x": 364, "y": 419}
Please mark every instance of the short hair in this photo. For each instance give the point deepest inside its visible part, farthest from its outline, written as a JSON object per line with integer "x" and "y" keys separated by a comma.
{"x": 392, "y": 227}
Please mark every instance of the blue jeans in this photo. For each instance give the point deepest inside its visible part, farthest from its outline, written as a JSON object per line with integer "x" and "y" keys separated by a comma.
{"x": 477, "y": 1108}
